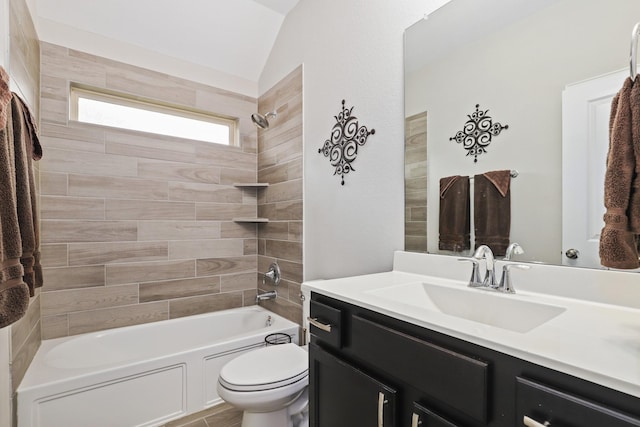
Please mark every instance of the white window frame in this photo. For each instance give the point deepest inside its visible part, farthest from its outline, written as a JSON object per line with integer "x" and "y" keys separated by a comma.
{"x": 76, "y": 92}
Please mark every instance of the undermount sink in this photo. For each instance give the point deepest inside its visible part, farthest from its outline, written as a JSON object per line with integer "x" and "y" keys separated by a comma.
{"x": 482, "y": 306}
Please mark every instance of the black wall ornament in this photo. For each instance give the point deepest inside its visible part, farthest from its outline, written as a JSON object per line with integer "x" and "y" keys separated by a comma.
{"x": 342, "y": 146}
{"x": 477, "y": 132}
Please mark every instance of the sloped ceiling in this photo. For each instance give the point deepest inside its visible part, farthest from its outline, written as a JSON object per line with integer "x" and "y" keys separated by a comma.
{"x": 231, "y": 36}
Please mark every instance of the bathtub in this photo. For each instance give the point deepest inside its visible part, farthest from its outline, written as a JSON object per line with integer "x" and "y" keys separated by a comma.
{"x": 143, "y": 375}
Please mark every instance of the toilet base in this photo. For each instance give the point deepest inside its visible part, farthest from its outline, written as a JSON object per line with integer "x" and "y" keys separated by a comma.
{"x": 267, "y": 419}
{"x": 294, "y": 415}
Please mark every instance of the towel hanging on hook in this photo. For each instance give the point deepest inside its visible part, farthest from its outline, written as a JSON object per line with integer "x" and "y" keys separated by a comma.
{"x": 634, "y": 51}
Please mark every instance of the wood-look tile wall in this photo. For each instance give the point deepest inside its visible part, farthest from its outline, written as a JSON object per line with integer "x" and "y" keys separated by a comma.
{"x": 24, "y": 69}
{"x": 137, "y": 227}
{"x": 415, "y": 183}
{"x": 280, "y": 165}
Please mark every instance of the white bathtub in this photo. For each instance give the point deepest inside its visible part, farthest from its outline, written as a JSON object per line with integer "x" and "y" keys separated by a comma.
{"x": 143, "y": 375}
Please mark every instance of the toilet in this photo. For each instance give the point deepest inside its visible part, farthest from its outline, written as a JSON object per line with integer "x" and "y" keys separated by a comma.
{"x": 269, "y": 385}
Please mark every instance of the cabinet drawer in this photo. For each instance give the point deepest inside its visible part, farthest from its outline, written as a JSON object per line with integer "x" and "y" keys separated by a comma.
{"x": 561, "y": 409}
{"x": 425, "y": 418}
{"x": 459, "y": 381}
{"x": 330, "y": 319}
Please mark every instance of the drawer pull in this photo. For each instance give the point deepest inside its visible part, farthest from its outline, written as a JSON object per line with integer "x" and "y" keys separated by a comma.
{"x": 381, "y": 402}
{"x": 415, "y": 420}
{"x": 533, "y": 423}
{"x": 314, "y": 321}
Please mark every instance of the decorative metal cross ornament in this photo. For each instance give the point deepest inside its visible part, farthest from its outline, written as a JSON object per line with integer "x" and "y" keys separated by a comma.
{"x": 477, "y": 132}
{"x": 342, "y": 146}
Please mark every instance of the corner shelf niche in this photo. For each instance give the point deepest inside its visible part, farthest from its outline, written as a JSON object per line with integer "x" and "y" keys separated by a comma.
{"x": 254, "y": 220}
{"x": 256, "y": 185}
{"x": 251, "y": 184}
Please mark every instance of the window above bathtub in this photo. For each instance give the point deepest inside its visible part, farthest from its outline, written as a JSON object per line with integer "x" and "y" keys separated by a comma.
{"x": 89, "y": 105}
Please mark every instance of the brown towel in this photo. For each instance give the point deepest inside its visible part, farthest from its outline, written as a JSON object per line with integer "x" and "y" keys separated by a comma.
{"x": 26, "y": 148}
{"x": 634, "y": 199}
{"x": 492, "y": 210}
{"x": 14, "y": 293}
{"x": 454, "y": 223}
{"x": 618, "y": 242}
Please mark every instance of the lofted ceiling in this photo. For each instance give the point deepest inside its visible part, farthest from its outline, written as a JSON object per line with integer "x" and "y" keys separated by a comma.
{"x": 231, "y": 36}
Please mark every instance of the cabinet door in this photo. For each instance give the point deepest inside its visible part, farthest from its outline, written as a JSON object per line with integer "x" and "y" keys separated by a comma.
{"x": 343, "y": 396}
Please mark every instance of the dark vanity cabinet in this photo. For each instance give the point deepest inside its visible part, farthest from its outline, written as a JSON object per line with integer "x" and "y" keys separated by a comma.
{"x": 368, "y": 369}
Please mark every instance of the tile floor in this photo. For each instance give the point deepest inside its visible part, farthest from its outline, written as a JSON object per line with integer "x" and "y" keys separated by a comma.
{"x": 223, "y": 415}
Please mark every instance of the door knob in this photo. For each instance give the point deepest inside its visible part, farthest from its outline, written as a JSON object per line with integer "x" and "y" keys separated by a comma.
{"x": 572, "y": 253}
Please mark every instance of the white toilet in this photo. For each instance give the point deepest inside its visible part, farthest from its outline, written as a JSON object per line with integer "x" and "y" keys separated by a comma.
{"x": 269, "y": 385}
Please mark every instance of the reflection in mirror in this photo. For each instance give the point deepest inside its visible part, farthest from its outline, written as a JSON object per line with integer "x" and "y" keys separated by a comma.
{"x": 518, "y": 59}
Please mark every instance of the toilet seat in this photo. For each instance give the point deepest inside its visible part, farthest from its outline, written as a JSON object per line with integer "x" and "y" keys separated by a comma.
{"x": 268, "y": 368}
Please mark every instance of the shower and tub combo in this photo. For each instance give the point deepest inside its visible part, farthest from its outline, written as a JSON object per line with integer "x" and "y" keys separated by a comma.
{"x": 143, "y": 375}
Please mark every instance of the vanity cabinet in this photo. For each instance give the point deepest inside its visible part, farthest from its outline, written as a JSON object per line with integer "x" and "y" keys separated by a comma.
{"x": 369, "y": 369}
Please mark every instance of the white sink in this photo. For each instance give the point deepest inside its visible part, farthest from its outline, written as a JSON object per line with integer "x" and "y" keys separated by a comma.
{"x": 504, "y": 311}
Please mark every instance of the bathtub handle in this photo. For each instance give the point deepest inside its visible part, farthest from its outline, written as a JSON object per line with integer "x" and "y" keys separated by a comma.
{"x": 314, "y": 321}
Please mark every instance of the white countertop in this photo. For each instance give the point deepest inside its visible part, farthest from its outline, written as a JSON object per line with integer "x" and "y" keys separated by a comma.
{"x": 596, "y": 338}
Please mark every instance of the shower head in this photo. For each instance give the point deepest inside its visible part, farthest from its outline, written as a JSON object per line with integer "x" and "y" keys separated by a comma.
{"x": 263, "y": 121}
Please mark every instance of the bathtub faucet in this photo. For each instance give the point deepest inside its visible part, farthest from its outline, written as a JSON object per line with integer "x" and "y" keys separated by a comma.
{"x": 266, "y": 296}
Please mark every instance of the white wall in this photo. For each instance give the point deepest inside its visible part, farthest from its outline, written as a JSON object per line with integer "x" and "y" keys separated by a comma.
{"x": 351, "y": 50}
{"x": 5, "y": 377}
{"x": 4, "y": 33}
{"x": 84, "y": 41}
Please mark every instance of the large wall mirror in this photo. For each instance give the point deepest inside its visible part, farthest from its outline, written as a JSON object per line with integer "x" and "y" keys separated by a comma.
{"x": 524, "y": 61}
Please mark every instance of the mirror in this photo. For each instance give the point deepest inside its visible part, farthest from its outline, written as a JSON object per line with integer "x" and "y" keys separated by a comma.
{"x": 516, "y": 59}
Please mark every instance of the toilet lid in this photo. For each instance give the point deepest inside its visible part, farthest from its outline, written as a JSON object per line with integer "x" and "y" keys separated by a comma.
{"x": 265, "y": 369}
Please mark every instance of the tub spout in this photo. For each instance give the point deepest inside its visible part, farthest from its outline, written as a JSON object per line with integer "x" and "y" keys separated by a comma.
{"x": 266, "y": 296}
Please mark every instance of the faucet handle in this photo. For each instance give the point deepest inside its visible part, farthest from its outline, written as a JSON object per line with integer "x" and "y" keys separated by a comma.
{"x": 506, "y": 285}
{"x": 273, "y": 274}
{"x": 474, "y": 281}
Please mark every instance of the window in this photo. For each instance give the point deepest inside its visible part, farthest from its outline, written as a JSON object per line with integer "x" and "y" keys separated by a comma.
{"x": 121, "y": 111}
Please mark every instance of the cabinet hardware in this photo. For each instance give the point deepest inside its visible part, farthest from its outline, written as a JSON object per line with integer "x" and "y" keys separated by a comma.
{"x": 314, "y": 321}
{"x": 381, "y": 402}
{"x": 415, "y": 420}
{"x": 533, "y": 423}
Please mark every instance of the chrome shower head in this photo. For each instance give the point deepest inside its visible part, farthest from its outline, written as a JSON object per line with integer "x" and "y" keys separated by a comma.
{"x": 263, "y": 121}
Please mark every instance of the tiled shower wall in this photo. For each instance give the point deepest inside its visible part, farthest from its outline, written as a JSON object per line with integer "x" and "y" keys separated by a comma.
{"x": 280, "y": 165}
{"x": 415, "y": 183}
{"x": 24, "y": 68}
{"x": 135, "y": 227}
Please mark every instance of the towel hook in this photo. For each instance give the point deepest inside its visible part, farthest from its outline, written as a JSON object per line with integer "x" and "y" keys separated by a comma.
{"x": 634, "y": 51}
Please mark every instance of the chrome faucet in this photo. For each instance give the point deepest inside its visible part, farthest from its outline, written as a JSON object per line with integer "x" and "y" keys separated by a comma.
{"x": 489, "y": 282}
{"x": 485, "y": 252}
{"x": 266, "y": 296}
{"x": 513, "y": 249}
